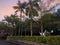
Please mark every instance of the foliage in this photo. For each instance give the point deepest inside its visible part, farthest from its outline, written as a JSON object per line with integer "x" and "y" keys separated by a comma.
{"x": 32, "y": 10}
{"x": 12, "y": 21}
{"x": 47, "y": 34}
{"x": 5, "y": 27}
{"x": 50, "y": 40}
{"x": 49, "y": 21}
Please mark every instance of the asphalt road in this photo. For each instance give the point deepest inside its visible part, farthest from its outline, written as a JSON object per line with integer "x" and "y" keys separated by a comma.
{"x": 3, "y": 42}
{"x": 12, "y": 42}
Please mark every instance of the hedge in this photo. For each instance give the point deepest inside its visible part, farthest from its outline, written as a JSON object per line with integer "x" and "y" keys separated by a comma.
{"x": 50, "y": 40}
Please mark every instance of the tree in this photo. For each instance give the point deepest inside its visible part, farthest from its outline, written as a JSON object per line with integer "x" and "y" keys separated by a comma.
{"x": 20, "y": 7}
{"x": 48, "y": 22}
{"x": 52, "y": 22}
{"x": 32, "y": 10}
{"x": 12, "y": 21}
{"x": 57, "y": 18}
{"x": 45, "y": 9}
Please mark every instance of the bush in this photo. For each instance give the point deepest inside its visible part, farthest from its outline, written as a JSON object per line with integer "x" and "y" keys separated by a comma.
{"x": 50, "y": 40}
{"x": 47, "y": 33}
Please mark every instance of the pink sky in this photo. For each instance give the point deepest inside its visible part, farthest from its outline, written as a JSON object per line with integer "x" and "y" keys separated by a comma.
{"x": 6, "y": 7}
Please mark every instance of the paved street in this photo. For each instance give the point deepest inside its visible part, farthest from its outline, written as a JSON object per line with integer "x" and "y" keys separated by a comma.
{"x": 19, "y": 42}
{"x": 3, "y": 42}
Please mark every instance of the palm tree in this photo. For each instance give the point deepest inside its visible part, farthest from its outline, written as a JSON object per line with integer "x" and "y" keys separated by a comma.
{"x": 12, "y": 20}
{"x": 32, "y": 10}
{"x": 8, "y": 19}
{"x": 20, "y": 7}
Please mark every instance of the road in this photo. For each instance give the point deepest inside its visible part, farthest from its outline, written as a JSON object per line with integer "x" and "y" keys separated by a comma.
{"x": 3, "y": 42}
{"x": 19, "y": 42}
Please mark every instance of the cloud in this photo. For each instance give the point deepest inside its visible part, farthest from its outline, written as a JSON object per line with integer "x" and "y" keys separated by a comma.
{"x": 47, "y": 4}
{"x": 8, "y": 8}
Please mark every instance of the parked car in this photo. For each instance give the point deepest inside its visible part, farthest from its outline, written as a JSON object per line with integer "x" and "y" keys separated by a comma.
{"x": 3, "y": 34}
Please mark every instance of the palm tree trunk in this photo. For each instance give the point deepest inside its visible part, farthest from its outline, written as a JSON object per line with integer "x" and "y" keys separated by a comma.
{"x": 25, "y": 32}
{"x": 31, "y": 28}
{"x": 41, "y": 24}
{"x": 31, "y": 25}
{"x": 20, "y": 32}
{"x": 19, "y": 28}
{"x": 13, "y": 30}
{"x": 41, "y": 28}
{"x": 19, "y": 24}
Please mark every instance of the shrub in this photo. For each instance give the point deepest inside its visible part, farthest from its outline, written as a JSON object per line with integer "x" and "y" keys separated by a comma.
{"x": 50, "y": 40}
{"x": 47, "y": 33}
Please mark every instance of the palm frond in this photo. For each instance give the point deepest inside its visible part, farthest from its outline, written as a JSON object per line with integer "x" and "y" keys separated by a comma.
{"x": 35, "y": 12}
{"x": 15, "y": 7}
{"x": 27, "y": 11}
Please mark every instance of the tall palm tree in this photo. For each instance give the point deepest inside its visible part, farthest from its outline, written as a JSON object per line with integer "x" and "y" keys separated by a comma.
{"x": 20, "y": 7}
{"x": 32, "y": 10}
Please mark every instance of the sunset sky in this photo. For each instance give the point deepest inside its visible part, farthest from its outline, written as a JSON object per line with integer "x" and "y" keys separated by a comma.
{"x": 6, "y": 7}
